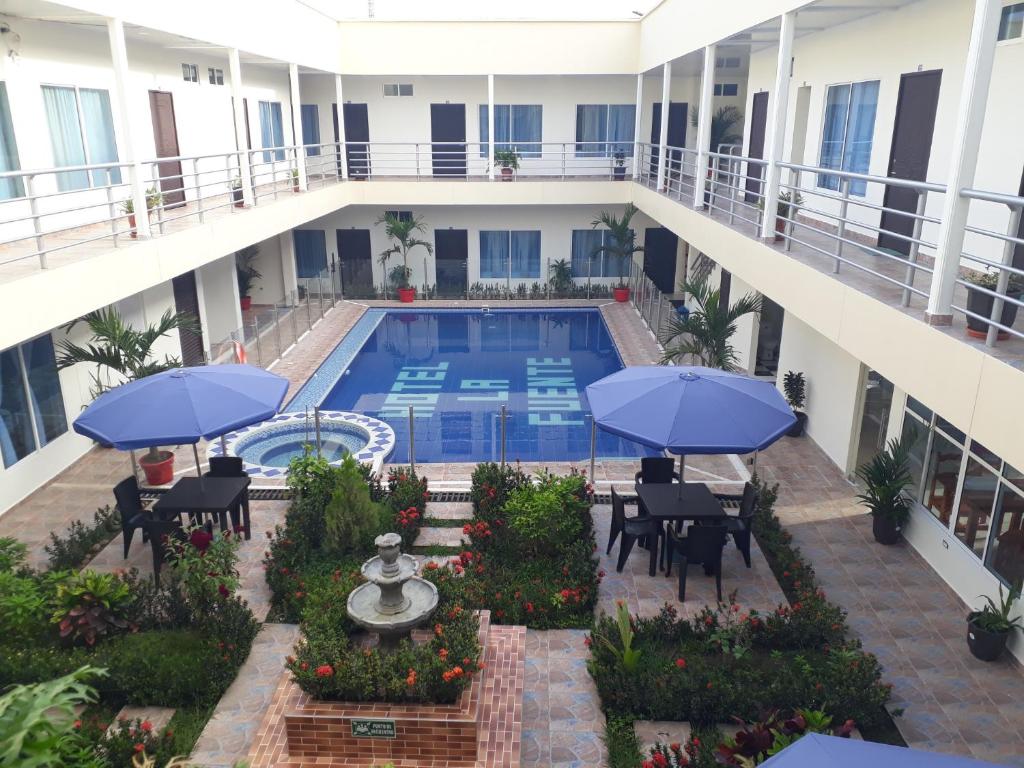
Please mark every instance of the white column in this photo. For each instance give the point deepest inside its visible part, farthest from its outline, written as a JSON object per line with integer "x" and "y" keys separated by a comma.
{"x": 666, "y": 85}
{"x": 969, "y": 122}
{"x": 245, "y": 171}
{"x": 490, "y": 127}
{"x": 119, "y": 58}
{"x": 636, "y": 125}
{"x": 339, "y": 98}
{"x": 707, "y": 91}
{"x": 777, "y": 126}
{"x": 288, "y": 273}
{"x": 300, "y": 154}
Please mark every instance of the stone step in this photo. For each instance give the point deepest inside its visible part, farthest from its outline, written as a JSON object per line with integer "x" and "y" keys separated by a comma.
{"x": 157, "y": 717}
{"x": 449, "y": 510}
{"x": 439, "y": 560}
{"x": 439, "y": 537}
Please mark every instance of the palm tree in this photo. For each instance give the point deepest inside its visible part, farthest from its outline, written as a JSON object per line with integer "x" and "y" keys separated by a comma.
{"x": 402, "y": 232}
{"x": 704, "y": 333}
{"x": 621, "y": 243}
{"x": 119, "y": 352}
{"x": 724, "y": 122}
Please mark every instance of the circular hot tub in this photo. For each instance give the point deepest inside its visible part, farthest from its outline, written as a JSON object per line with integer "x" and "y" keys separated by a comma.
{"x": 267, "y": 448}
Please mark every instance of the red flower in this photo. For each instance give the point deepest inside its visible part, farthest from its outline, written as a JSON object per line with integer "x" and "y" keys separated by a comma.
{"x": 660, "y": 760}
{"x": 146, "y": 726}
{"x": 303, "y": 666}
{"x": 587, "y": 641}
{"x": 200, "y": 539}
{"x": 681, "y": 663}
{"x": 674, "y": 746}
{"x": 324, "y": 670}
{"x": 223, "y": 590}
{"x": 647, "y": 764}
{"x": 78, "y": 724}
{"x": 710, "y": 686}
{"x": 140, "y": 747}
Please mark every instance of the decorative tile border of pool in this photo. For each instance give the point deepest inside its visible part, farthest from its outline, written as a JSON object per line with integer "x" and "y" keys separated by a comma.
{"x": 312, "y": 393}
{"x": 380, "y": 438}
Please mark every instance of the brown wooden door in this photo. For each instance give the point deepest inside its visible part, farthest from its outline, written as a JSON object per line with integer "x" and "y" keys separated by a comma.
{"x": 165, "y": 135}
{"x": 909, "y": 154}
{"x": 755, "y": 145}
{"x": 186, "y": 299}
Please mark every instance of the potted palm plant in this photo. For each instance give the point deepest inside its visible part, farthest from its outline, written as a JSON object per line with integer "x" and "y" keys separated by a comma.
{"x": 121, "y": 354}
{"x": 620, "y": 244}
{"x": 560, "y": 278}
{"x": 989, "y": 629}
{"x": 703, "y": 333}
{"x": 724, "y": 124}
{"x": 795, "y": 387}
{"x": 295, "y": 180}
{"x": 884, "y": 477}
{"x": 247, "y": 273}
{"x": 789, "y": 204}
{"x": 402, "y": 234}
{"x": 153, "y": 199}
{"x": 508, "y": 161}
{"x": 980, "y": 303}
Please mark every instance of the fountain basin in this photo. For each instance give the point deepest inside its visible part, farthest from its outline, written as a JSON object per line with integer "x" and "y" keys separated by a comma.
{"x": 419, "y": 600}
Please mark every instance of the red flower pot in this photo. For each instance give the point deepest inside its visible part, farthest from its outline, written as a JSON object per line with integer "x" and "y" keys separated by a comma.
{"x": 159, "y": 472}
{"x": 131, "y": 225}
{"x": 406, "y": 295}
{"x": 246, "y": 302}
{"x": 506, "y": 174}
{"x": 621, "y": 294}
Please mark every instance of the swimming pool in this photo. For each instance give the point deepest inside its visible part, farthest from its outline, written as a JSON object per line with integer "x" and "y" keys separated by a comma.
{"x": 458, "y": 367}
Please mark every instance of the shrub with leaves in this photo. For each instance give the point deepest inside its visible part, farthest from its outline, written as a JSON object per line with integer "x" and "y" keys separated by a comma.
{"x": 351, "y": 518}
{"x": 82, "y": 541}
{"x": 12, "y": 554}
{"x": 90, "y": 605}
{"x": 407, "y": 495}
{"x": 205, "y": 564}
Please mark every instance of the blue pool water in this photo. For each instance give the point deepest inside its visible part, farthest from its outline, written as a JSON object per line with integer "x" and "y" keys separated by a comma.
{"x": 457, "y": 368}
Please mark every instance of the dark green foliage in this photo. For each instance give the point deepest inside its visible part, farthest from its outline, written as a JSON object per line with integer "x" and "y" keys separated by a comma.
{"x": 82, "y": 541}
{"x": 12, "y": 554}
{"x": 622, "y": 743}
{"x": 795, "y": 387}
{"x": 705, "y": 334}
{"x": 884, "y": 477}
{"x": 407, "y": 496}
{"x": 351, "y": 518}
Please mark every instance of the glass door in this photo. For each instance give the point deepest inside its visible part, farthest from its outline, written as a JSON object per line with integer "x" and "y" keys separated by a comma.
{"x": 874, "y": 419}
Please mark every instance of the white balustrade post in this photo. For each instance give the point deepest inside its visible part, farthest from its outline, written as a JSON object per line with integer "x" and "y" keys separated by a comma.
{"x": 963, "y": 160}
{"x": 666, "y": 86}
{"x": 707, "y": 91}
{"x": 300, "y": 152}
{"x": 777, "y": 127}
{"x": 490, "y": 127}
{"x": 119, "y": 59}
{"x": 338, "y": 97}
{"x": 241, "y": 139}
{"x": 636, "y": 125}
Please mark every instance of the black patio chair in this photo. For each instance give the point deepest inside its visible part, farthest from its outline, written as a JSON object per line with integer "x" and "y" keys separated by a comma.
{"x": 703, "y": 545}
{"x": 741, "y": 526}
{"x": 231, "y": 466}
{"x": 129, "y": 505}
{"x": 657, "y": 469}
{"x": 631, "y": 529}
{"x": 160, "y": 532}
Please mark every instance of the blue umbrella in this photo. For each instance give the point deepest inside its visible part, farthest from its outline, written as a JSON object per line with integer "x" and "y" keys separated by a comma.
{"x": 817, "y": 751}
{"x": 182, "y": 406}
{"x": 689, "y": 409}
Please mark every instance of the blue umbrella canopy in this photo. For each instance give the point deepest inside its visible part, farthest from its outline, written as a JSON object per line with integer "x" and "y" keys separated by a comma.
{"x": 183, "y": 405}
{"x": 689, "y": 409}
{"x": 817, "y": 751}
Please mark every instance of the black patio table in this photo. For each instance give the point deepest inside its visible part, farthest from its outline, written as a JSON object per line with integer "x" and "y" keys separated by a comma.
{"x": 665, "y": 501}
{"x": 204, "y": 495}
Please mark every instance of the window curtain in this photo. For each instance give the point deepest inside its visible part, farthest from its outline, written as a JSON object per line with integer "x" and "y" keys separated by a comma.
{"x": 311, "y": 127}
{"x": 860, "y": 128}
{"x": 584, "y": 243}
{"x": 621, "y": 122}
{"x": 271, "y": 129}
{"x": 16, "y": 439}
{"x": 837, "y": 107}
{"x": 310, "y": 252}
{"x": 501, "y": 129}
{"x": 526, "y": 120}
{"x": 44, "y": 389}
{"x": 65, "y": 136}
{"x": 494, "y": 247}
{"x": 98, "y": 126}
{"x": 526, "y": 254}
{"x": 8, "y": 150}
{"x": 591, "y": 129}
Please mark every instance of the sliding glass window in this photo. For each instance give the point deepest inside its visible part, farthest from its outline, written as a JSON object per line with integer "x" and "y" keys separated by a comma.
{"x": 271, "y": 130}
{"x": 508, "y": 254}
{"x": 517, "y": 127}
{"x": 81, "y": 133}
{"x": 970, "y": 490}
{"x": 8, "y": 150}
{"x": 588, "y": 260}
{"x": 310, "y": 252}
{"x": 847, "y": 133}
{"x": 31, "y": 402}
{"x": 311, "y": 128}
{"x": 602, "y": 130}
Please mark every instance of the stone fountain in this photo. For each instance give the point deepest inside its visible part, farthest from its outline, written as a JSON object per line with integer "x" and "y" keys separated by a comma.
{"x": 393, "y": 601}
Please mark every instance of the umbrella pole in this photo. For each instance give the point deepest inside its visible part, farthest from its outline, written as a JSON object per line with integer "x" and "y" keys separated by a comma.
{"x": 195, "y": 453}
{"x": 682, "y": 470}
{"x": 135, "y": 464}
{"x": 753, "y": 465}
{"x": 593, "y": 449}
{"x": 223, "y": 446}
